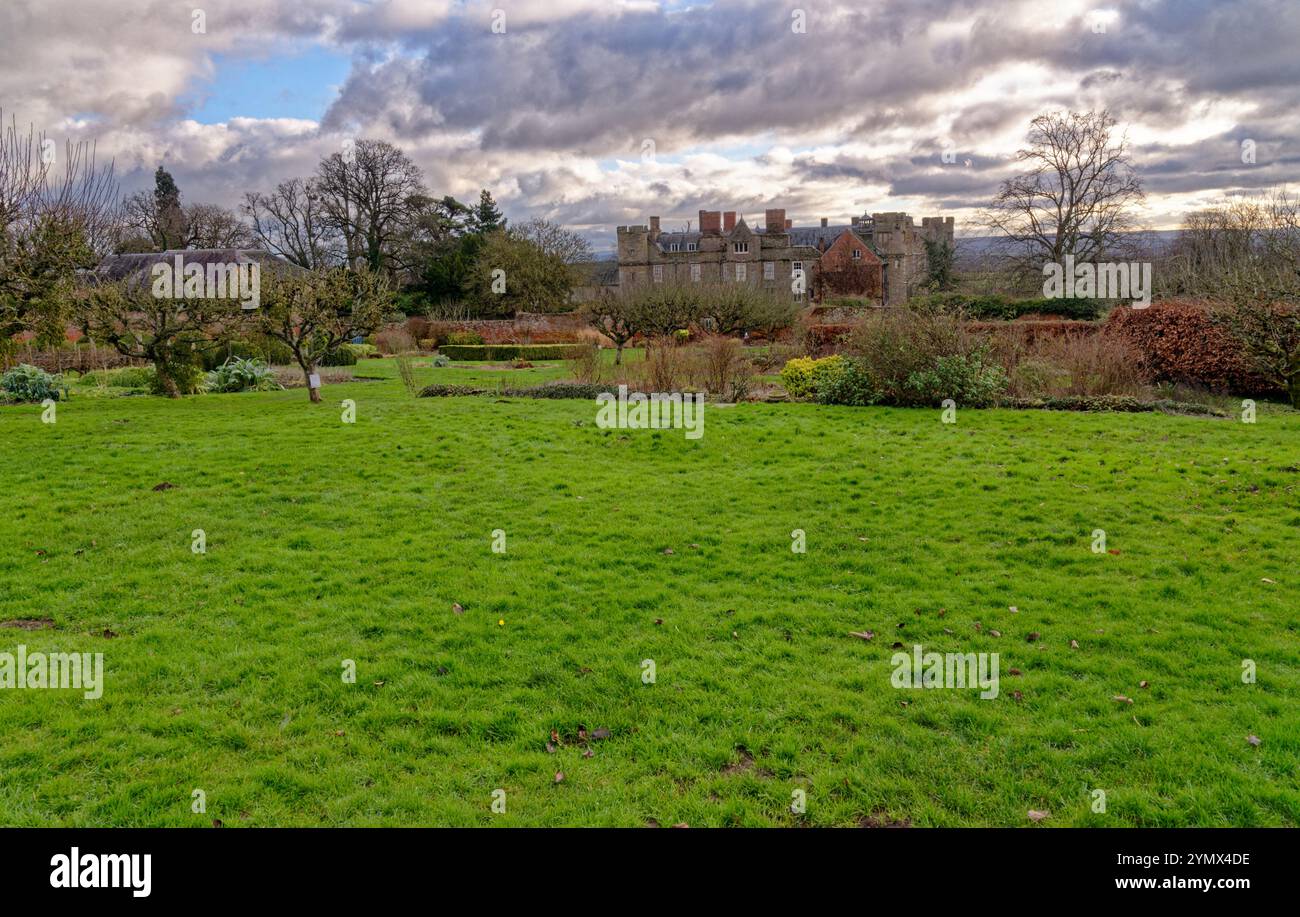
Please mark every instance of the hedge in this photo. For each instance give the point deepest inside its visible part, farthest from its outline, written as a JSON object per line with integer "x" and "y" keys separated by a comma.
{"x": 513, "y": 351}
{"x": 998, "y": 307}
{"x": 1179, "y": 342}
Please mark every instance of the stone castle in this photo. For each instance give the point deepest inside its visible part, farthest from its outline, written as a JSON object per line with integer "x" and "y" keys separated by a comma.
{"x": 880, "y": 257}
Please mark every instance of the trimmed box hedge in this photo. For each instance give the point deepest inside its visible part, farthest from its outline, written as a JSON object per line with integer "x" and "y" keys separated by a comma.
{"x": 513, "y": 351}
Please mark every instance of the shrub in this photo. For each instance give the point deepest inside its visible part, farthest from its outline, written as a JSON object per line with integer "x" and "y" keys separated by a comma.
{"x": 666, "y": 366}
{"x": 266, "y": 350}
{"x": 464, "y": 338}
{"x": 394, "y": 340}
{"x": 722, "y": 369}
{"x": 125, "y": 377}
{"x": 344, "y": 355}
{"x": 850, "y": 383}
{"x": 803, "y": 377}
{"x": 1180, "y": 342}
{"x": 968, "y": 379}
{"x": 1003, "y": 308}
{"x": 239, "y": 375}
{"x": 578, "y": 390}
{"x": 819, "y": 338}
{"x": 362, "y": 350}
{"x": 31, "y": 383}
{"x": 586, "y": 366}
{"x": 447, "y": 391}
{"x": 508, "y": 352}
{"x": 185, "y": 374}
{"x": 441, "y": 360}
{"x": 889, "y": 346}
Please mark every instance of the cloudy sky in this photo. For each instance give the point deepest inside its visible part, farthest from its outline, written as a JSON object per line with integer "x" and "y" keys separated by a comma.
{"x": 594, "y": 113}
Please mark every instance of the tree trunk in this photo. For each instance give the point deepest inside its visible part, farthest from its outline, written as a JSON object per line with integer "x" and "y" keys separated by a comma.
{"x": 169, "y": 386}
{"x": 313, "y": 393}
{"x": 1293, "y": 390}
{"x": 618, "y": 354}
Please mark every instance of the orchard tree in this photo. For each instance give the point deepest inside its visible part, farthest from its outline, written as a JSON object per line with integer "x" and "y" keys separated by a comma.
{"x": 168, "y": 332}
{"x": 315, "y": 312}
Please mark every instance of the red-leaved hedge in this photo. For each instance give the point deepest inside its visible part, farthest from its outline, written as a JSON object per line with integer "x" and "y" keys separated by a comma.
{"x": 1179, "y": 342}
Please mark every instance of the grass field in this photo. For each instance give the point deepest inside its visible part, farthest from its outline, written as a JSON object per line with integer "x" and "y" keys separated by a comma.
{"x": 329, "y": 542}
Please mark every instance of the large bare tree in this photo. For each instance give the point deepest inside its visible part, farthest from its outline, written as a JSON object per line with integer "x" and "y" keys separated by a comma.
{"x": 1077, "y": 196}
{"x": 369, "y": 194}
{"x": 291, "y": 222}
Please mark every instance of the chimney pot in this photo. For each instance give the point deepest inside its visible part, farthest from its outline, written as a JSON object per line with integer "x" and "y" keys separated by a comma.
{"x": 729, "y": 220}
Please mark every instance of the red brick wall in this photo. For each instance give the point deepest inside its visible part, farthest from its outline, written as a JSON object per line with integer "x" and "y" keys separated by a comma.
{"x": 838, "y": 273}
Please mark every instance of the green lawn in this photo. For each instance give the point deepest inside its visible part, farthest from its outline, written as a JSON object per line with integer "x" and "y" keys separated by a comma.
{"x": 329, "y": 542}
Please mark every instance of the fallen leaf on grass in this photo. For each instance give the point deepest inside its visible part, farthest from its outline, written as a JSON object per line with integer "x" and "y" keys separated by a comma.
{"x": 1253, "y": 740}
{"x": 1265, "y": 579}
{"x": 601, "y": 733}
{"x": 165, "y": 485}
{"x": 1014, "y": 610}
{"x": 863, "y": 634}
{"x": 1036, "y": 816}
{"x": 1074, "y": 644}
{"x": 1122, "y": 699}
{"x": 456, "y": 607}
{"x": 559, "y": 776}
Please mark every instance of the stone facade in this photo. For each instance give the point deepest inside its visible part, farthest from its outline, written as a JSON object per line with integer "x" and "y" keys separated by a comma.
{"x": 888, "y": 268}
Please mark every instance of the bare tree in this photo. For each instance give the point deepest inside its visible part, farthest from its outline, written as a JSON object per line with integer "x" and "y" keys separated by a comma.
{"x": 192, "y": 226}
{"x": 56, "y": 216}
{"x": 1076, "y": 198}
{"x": 368, "y": 194}
{"x": 1244, "y": 256}
{"x": 291, "y": 222}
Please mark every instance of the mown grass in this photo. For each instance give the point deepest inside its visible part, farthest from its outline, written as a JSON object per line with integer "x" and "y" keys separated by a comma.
{"x": 329, "y": 541}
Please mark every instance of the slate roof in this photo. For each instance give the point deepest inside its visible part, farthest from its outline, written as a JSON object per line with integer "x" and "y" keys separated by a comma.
{"x": 138, "y": 265}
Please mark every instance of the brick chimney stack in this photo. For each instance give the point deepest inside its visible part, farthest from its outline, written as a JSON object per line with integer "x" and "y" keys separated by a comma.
{"x": 775, "y": 220}
{"x": 728, "y": 220}
{"x": 824, "y": 222}
{"x": 654, "y": 228}
{"x": 789, "y": 224}
{"x": 711, "y": 221}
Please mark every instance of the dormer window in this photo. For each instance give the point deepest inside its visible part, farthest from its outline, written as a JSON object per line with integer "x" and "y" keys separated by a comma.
{"x": 740, "y": 248}
{"x": 692, "y": 246}
{"x": 675, "y": 247}
{"x": 857, "y": 254}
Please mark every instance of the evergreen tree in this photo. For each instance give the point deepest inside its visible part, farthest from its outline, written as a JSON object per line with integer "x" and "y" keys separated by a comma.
{"x": 171, "y": 218}
{"x": 487, "y": 217}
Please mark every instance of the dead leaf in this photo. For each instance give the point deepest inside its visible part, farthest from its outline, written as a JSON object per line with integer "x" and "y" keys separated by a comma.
{"x": 550, "y": 749}
{"x": 1014, "y": 609}
{"x": 994, "y": 633}
{"x": 1113, "y": 551}
{"x": 1033, "y": 637}
{"x": 456, "y": 607}
{"x": 600, "y": 733}
{"x": 1122, "y": 699}
{"x": 1037, "y": 816}
{"x": 1013, "y": 671}
{"x": 164, "y": 486}
{"x": 587, "y": 753}
{"x": 1074, "y": 644}
{"x": 1253, "y": 740}
{"x": 669, "y": 551}
{"x": 863, "y": 634}
{"x": 216, "y": 822}
{"x": 559, "y": 776}
{"x": 1265, "y": 579}
{"x": 1144, "y": 684}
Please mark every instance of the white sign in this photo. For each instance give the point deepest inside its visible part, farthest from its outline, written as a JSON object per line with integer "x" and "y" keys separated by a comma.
{"x": 313, "y": 380}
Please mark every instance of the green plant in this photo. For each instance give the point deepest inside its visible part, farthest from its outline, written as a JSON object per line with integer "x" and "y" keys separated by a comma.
{"x": 240, "y": 375}
{"x": 441, "y": 360}
{"x": 463, "y": 338}
{"x": 850, "y": 383}
{"x": 31, "y": 383}
{"x": 968, "y": 379}
{"x": 804, "y": 376}
{"x": 343, "y": 355}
